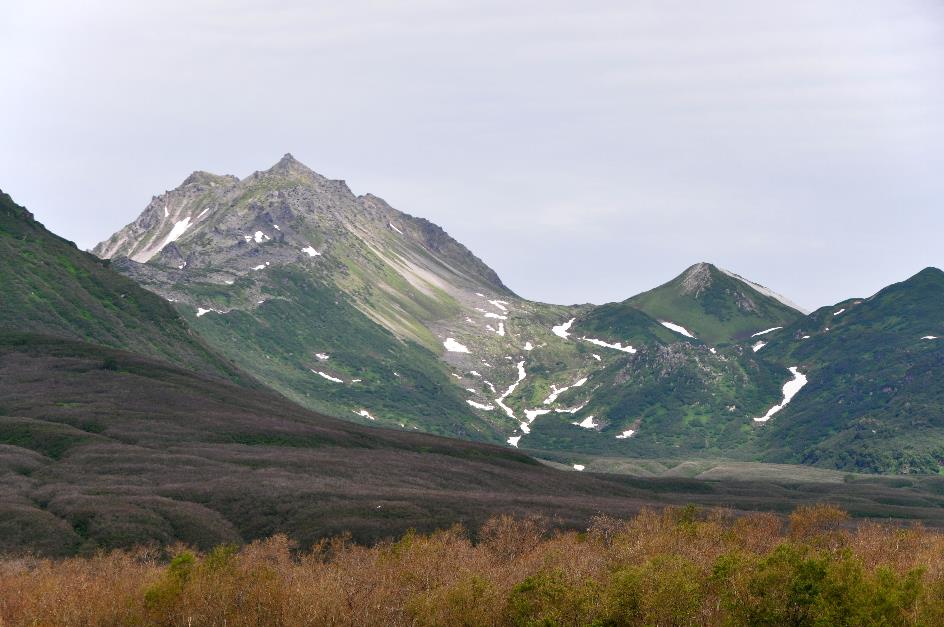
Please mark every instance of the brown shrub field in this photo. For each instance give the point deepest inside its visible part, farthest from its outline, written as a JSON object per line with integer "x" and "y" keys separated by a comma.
{"x": 678, "y": 566}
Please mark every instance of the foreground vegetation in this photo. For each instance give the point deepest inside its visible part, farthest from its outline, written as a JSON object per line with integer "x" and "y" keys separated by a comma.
{"x": 677, "y": 567}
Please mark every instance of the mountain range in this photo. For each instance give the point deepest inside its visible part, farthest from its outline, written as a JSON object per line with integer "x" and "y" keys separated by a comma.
{"x": 186, "y": 382}
{"x": 352, "y": 308}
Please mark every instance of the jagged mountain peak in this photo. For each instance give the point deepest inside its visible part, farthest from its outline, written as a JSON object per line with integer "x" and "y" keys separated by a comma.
{"x": 220, "y": 229}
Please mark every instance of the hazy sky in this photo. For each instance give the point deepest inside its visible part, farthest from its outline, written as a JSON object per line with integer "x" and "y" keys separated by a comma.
{"x": 585, "y": 150}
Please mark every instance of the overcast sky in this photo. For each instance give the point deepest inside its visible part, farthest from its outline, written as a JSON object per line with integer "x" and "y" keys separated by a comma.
{"x": 585, "y": 150}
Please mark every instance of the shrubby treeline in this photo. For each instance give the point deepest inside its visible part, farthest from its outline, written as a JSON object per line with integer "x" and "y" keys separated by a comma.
{"x": 681, "y": 566}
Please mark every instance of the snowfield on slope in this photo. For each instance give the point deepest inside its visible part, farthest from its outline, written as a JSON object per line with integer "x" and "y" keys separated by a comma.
{"x": 790, "y": 389}
{"x": 454, "y": 346}
{"x": 677, "y": 328}
{"x": 327, "y": 376}
{"x": 617, "y": 346}
{"x": 556, "y": 391}
{"x": 179, "y": 229}
{"x": 481, "y": 406}
{"x": 563, "y": 330}
{"x": 586, "y": 423}
{"x": 500, "y": 401}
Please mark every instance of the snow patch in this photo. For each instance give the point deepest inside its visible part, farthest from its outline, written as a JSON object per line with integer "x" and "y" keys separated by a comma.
{"x": 625, "y": 434}
{"x": 531, "y": 414}
{"x": 790, "y": 389}
{"x": 929, "y": 337}
{"x": 454, "y": 347}
{"x": 766, "y": 331}
{"x": 310, "y": 250}
{"x": 202, "y": 312}
{"x": 528, "y": 346}
{"x": 597, "y": 357}
{"x": 572, "y": 410}
{"x": 481, "y": 406}
{"x": 563, "y": 330}
{"x": 489, "y": 314}
{"x": 579, "y": 467}
{"x": 179, "y": 229}
{"x": 327, "y": 376}
{"x": 501, "y": 329}
{"x": 556, "y": 391}
{"x": 364, "y": 413}
{"x": 500, "y": 401}
{"x": 166, "y": 212}
{"x": 759, "y": 345}
{"x": 395, "y": 228}
{"x": 203, "y": 213}
{"x": 836, "y": 313}
{"x": 500, "y": 304}
{"x": 261, "y": 237}
{"x": 617, "y": 346}
{"x": 676, "y": 327}
{"x": 323, "y": 356}
{"x": 514, "y": 440}
{"x": 587, "y": 423}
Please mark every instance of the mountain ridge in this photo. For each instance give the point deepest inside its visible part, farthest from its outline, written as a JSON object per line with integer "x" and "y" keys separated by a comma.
{"x": 284, "y": 233}
{"x": 355, "y": 309}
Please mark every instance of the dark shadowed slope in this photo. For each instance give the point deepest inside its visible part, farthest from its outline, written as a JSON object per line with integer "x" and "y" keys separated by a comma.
{"x": 48, "y": 286}
{"x": 102, "y": 448}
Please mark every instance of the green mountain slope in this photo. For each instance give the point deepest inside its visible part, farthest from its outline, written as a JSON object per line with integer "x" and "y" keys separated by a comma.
{"x": 875, "y": 399}
{"x": 51, "y": 287}
{"x": 715, "y": 305}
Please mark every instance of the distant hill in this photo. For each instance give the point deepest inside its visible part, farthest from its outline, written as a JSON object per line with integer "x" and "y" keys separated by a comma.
{"x": 716, "y": 305}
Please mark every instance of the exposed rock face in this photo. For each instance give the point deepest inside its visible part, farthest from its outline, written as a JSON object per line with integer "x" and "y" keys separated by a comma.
{"x": 696, "y": 279}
